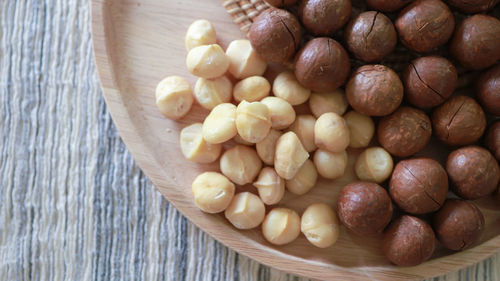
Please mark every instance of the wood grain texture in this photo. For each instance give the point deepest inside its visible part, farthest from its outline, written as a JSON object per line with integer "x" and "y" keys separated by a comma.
{"x": 136, "y": 44}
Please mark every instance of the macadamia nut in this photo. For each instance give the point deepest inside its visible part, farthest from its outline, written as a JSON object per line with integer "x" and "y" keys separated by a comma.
{"x": 174, "y": 97}
{"x": 211, "y": 92}
{"x": 281, "y": 226}
{"x": 331, "y": 132}
{"x": 270, "y": 185}
{"x": 200, "y": 32}
{"x": 212, "y": 192}
{"x": 303, "y": 127}
{"x": 287, "y": 87}
{"x": 253, "y": 88}
{"x": 361, "y": 128}
{"x": 195, "y": 148}
{"x": 304, "y": 180}
{"x": 330, "y": 165}
{"x": 246, "y": 211}
{"x": 253, "y": 121}
{"x": 324, "y": 17}
{"x": 320, "y": 103}
{"x": 240, "y": 164}
{"x": 207, "y": 61}
{"x": 266, "y": 148}
{"x": 239, "y": 140}
{"x": 220, "y": 125}
{"x": 320, "y": 225}
{"x": 289, "y": 155}
{"x": 282, "y": 113}
{"x": 374, "y": 165}
{"x": 244, "y": 61}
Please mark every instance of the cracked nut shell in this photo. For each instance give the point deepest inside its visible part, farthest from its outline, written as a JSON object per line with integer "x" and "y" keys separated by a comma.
{"x": 488, "y": 90}
{"x": 322, "y": 65}
{"x": 419, "y": 185}
{"x": 281, "y": 3}
{"x": 493, "y": 139}
{"x": 374, "y": 90}
{"x": 408, "y": 241}
{"x": 475, "y": 42}
{"x": 275, "y": 34}
{"x": 405, "y": 132}
{"x": 370, "y": 36}
{"x": 459, "y": 121}
{"x": 458, "y": 224}
{"x": 473, "y": 172}
{"x": 364, "y": 208}
{"x": 424, "y": 25}
{"x": 429, "y": 81}
{"x": 324, "y": 17}
{"x": 387, "y": 5}
{"x": 472, "y": 6}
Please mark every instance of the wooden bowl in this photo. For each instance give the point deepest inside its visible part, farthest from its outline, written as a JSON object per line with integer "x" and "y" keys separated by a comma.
{"x": 136, "y": 44}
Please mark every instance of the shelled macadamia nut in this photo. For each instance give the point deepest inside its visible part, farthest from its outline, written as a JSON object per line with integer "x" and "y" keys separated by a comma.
{"x": 488, "y": 90}
{"x": 200, "y": 32}
{"x": 324, "y": 17}
{"x": 408, "y": 241}
{"x": 331, "y": 132}
{"x": 266, "y": 147}
{"x": 473, "y": 172}
{"x": 244, "y": 60}
{"x": 303, "y": 127}
{"x": 322, "y": 65}
{"x": 419, "y": 185}
{"x": 270, "y": 185}
{"x": 287, "y": 87}
{"x": 240, "y": 164}
{"x": 364, "y": 208}
{"x": 493, "y": 139}
{"x": 220, "y": 125}
{"x": 404, "y": 132}
{"x": 320, "y": 225}
{"x": 211, "y": 92}
{"x": 207, "y": 61}
{"x": 424, "y": 25}
{"x": 253, "y": 121}
{"x": 212, "y": 192}
{"x": 370, "y": 36}
{"x": 459, "y": 121}
{"x": 335, "y": 102}
{"x": 458, "y": 225}
{"x": 281, "y": 3}
{"x": 282, "y": 113}
{"x": 473, "y": 6}
{"x": 281, "y": 226}
{"x": 374, "y": 164}
{"x": 253, "y": 88}
{"x": 374, "y": 90}
{"x": 239, "y": 140}
{"x": 195, "y": 148}
{"x": 429, "y": 81}
{"x": 174, "y": 97}
{"x": 275, "y": 34}
{"x": 304, "y": 180}
{"x": 246, "y": 211}
{"x": 330, "y": 165}
{"x": 289, "y": 155}
{"x": 361, "y": 128}
{"x": 387, "y": 5}
{"x": 475, "y": 42}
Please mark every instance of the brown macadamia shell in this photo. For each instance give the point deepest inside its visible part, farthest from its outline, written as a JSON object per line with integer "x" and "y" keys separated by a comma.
{"x": 281, "y": 3}
{"x": 458, "y": 224}
{"x": 387, "y": 5}
{"x": 493, "y": 139}
{"x": 473, "y": 172}
{"x": 488, "y": 90}
{"x": 459, "y": 121}
{"x": 324, "y": 17}
{"x": 472, "y": 6}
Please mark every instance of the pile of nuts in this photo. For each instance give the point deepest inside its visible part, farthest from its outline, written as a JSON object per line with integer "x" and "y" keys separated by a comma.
{"x": 278, "y": 150}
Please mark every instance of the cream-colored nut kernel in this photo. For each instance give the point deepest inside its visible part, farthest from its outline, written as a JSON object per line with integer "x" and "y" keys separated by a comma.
{"x": 240, "y": 164}
{"x": 212, "y": 192}
{"x": 220, "y": 124}
{"x": 303, "y": 127}
{"x": 289, "y": 155}
{"x": 320, "y": 225}
{"x": 266, "y": 148}
{"x": 211, "y": 92}
{"x": 331, "y": 132}
{"x": 240, "y": 140}
{"x": 253, "y": 88}
{"x": 208, "y": 61}
{"x": 287, "y": 87}
{"x": 174, "y": 97}
{"x": 195, "y": 148}
{"x": 245, "y": 62}
{"x": 361, "y": 128}
{"x": 282, "y": 113}
{"x": 330, "y": 165}
{"x": 246, "y": 211}
{"x": 374, "y": 164}
{"x": 304, "y": 180}
{"x": 281, "y": 226}
{"x": 270, "y": 185}
{"x": 199, "y": 33}
{"x": 321, "y": 103}
{"x": 253, "y": 121}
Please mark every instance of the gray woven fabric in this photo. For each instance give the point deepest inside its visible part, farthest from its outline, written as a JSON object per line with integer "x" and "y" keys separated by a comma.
{"x": 73, "y": 205}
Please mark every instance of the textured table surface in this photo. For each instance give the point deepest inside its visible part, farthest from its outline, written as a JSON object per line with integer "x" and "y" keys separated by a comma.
{"x": 73, "y": 205}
